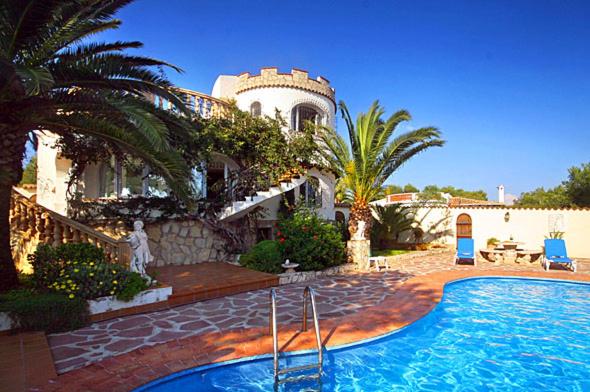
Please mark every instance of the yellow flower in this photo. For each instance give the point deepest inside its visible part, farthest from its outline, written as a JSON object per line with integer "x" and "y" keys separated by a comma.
{"x": 112, "y": 292}
{"x": 71, "y": 296}
{"x": 91, "y": 274}
{"x": 114, "y": 272}
{"x": 76, "y": 270}
{"x": 115, "y": 282}
{"x": 92, "y": 263}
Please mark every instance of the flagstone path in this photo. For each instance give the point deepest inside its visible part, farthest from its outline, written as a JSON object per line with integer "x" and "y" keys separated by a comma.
{"x": 336, "y": 297}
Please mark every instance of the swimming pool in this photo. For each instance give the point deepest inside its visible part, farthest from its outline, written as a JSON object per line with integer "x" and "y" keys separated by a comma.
{"x": 498, "y": 334}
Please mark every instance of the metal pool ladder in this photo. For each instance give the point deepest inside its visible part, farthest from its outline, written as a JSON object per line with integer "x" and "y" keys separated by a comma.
{"x": 308, "y": 292}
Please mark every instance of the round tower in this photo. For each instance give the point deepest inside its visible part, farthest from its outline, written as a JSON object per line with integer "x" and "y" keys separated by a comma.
{"x": 295, "y": 95}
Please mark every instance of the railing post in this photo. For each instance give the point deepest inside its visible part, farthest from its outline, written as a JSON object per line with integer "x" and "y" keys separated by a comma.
{"x": 76, "y": 235}
{"x": 123, "y": 253}
{"x": 22, "y": 219}
{"x": 48, "y": 234}
{"x": 40, "y": 223}
{"x": 57, "y": 239}
{"x": 66, "y": 234}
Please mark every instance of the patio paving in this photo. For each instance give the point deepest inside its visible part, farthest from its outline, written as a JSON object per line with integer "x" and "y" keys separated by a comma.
{"x": 337, "y": 297}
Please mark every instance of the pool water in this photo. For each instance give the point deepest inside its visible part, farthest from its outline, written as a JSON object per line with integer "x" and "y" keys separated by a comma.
{"x": 487, "y": 334}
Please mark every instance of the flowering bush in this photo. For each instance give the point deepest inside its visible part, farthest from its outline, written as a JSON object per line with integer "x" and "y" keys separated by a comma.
{"x": 306, "y": 239}
{"x": 80, "y": 271}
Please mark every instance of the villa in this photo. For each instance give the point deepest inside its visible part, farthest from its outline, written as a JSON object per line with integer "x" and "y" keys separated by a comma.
{"x": 297, "y": 97}
{"x": 249, "y": 235}
{"x": 209, "y": 310}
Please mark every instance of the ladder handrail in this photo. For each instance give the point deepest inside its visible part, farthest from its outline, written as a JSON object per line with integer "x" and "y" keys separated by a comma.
{"x": 310, "y": 292}
{"x": 273, "y": 331}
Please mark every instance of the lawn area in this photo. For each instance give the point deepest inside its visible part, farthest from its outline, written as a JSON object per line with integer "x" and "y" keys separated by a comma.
{"x": 388, "y": 252}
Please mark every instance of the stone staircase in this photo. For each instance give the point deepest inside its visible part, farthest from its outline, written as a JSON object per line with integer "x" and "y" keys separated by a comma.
{"x": 32, "y": 224}
{"x": 238, "y": 209}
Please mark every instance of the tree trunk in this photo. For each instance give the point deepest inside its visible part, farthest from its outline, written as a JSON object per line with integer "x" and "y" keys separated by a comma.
{"x": 12, "y": 147}
{"x": 360, "y": 211}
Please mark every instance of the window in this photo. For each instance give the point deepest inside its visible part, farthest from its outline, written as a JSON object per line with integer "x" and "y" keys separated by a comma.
{"x": 301, "y": 114}
{"x": 310, "y": 192}
{"x": 133, "y": 179}
{"x": 256, "y": 109}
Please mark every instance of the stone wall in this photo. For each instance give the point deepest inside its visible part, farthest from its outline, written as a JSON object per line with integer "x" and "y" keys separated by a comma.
{"x": 181, "y": 242}
{"x": 305, "y": 276}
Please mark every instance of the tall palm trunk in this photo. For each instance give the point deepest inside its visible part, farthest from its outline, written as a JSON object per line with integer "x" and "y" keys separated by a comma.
{"x": 12, "y": 147}
{"x": 360, "y": 211}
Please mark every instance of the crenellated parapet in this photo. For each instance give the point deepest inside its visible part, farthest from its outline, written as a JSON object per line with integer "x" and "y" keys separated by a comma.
{"x": 299, "y": 79}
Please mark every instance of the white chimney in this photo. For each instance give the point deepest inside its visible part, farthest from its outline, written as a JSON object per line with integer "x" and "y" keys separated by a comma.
{"x": 501, "y": 194}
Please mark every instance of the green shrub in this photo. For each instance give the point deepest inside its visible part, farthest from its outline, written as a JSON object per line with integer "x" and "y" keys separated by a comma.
{"x": 312, "y": 243}
{"x": 80, "y": 271}
{"x": 49, "y": 312}
{"x": 265, "y": 256}
{"x": 132, "y": 285}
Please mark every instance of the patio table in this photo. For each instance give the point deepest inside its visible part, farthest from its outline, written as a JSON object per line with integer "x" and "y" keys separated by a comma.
{"x": 509, "y": 256}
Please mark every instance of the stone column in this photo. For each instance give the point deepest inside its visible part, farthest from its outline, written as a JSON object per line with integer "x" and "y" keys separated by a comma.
{"x": 358, "y": 253}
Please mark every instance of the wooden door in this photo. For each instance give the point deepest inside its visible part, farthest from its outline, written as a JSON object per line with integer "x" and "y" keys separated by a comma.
{"x": 463, "y": 226}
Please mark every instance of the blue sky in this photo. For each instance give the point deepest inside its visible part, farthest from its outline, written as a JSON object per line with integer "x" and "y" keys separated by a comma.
{"x": 507, "y": 82}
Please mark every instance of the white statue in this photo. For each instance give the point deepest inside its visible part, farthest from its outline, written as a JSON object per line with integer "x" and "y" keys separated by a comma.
{"x": 141, "y": 250}
{"x": 360, "y": 231}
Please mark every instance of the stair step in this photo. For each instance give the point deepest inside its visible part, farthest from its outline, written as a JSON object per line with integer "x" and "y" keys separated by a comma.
{"x": 299, "y": 368}
{"x": 299, "y": 378}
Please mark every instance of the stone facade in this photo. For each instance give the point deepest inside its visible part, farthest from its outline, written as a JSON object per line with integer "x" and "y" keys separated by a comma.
{"x": 181, "y": 242}
{"x": 269, "y": 77}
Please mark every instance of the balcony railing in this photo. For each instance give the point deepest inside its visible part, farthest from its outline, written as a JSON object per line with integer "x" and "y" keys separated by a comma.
{"x": 201, "y": 104}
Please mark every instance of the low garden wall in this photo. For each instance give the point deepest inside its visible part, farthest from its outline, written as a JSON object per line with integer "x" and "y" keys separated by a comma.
{"x": 305, "y": 276}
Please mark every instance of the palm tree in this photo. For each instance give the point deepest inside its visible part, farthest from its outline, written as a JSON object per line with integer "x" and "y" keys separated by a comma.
{"x": 372, "y": 156}
{"x": 390, "y": 222}
{"x": 53, "y": 78}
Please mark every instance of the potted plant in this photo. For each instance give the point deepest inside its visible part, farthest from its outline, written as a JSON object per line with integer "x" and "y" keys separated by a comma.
{"x": 492, "y": 242}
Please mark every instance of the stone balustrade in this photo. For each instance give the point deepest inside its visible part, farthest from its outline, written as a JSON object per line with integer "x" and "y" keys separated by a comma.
{"x": 201, "y": 104}
{"x": 32, "y": 224}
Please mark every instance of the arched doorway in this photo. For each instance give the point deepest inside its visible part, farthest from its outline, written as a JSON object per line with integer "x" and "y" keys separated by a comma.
{"x": 464, "y": 226}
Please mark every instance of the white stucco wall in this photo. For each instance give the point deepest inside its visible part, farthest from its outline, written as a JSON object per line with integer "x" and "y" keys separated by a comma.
{"x": 52, "y": 174}
{"x": 529, "y": 226}
{"x": 225, "y": 86}
{"x": 285, "y": 99}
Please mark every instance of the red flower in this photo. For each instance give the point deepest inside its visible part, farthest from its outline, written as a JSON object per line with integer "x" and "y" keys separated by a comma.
{"x": 281, "y": 240}
{"x": 315, "y": 237}
{"x": 278, "y": 233}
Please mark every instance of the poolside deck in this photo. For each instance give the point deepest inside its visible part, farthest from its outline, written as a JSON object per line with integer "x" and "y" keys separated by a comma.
{"x": 127, "y": 352}
{"x": 204, "y": 281}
